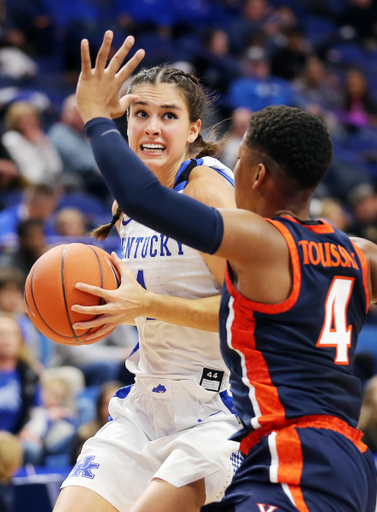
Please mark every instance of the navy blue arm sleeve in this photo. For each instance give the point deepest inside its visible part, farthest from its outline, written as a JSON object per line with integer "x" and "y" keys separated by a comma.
{"x": 142, "y": 197}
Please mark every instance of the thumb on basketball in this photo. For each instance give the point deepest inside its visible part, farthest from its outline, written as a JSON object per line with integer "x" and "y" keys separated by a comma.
{"x": 124, "y": 271}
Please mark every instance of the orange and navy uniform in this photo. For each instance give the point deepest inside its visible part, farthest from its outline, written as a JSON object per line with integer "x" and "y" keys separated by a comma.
{"x": 291, "y": 363}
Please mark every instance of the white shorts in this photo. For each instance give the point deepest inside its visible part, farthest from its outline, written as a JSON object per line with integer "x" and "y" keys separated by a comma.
{"x": 172, "y": 430}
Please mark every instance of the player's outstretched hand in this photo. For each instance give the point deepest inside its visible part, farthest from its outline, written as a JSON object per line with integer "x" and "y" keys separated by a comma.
{"x": 98, "y": 89}
{"x": 122, "y": 305}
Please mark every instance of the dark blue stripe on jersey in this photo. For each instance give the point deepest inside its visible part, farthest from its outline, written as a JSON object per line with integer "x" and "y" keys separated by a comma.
{"x": 141, "y": 196}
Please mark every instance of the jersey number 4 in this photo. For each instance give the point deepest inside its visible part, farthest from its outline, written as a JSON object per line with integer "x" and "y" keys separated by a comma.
{"x": 335, "y": 331}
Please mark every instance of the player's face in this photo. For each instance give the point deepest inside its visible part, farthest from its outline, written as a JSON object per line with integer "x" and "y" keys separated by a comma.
{"x": 245, "y": 174}
{"x": 160, "y": 131}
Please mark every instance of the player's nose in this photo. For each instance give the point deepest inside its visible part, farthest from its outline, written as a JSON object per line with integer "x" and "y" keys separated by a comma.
{"x": 152, "y": 127}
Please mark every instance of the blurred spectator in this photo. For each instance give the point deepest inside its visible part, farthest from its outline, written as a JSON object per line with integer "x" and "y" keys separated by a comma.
{"x": 70, "y": 222}
{"x": 253, "y": 18}
{"x": 11, "y": 457}
{"x": 359, "y": 107}
{"x": 332, "y": 211}
{"x": 334, "y": 126}
{"x": 12, "y": 286}
{"x": 38, "y": 201}
{"x": 317, "y": 85}
{"x": 368, "y": 415}
{"x": 87, "y": 430}
{"x": 12, "y": 282}
{"x": 257, "y": 89}
{"x": 19, "y": 389}
{"x": 10, "y": 178}
{"x": 361, "y": 17}
{"x": 289, "y": 61}
{"x": 101, "y": 361}
{"x": 37, "y": 159}
{"x": 213, "y": 64}
{"x": 52, "y": 425}
{"x": 14, "y": 62}
{"x": 364, "y": 202}
{"x": 31, "y": 245}
{"x": 239, "y": 122}
{"x": 69, "y": 138}
{"x": 285, "y": 21}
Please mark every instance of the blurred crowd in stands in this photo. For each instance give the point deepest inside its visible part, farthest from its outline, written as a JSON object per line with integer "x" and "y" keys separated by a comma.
{"x": 319, "y": 55}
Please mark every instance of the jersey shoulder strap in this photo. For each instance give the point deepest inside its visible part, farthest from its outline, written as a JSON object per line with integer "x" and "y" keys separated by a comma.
{"x": 186, "y": 173}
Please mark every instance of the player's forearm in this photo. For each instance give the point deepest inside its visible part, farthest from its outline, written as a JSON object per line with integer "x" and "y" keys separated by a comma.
{"x": 200, "y": 314}
{"x": 140, "y": 194}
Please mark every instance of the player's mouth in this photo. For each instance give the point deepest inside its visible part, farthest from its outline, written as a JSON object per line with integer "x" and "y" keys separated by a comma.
{"x": 152, "y": 148}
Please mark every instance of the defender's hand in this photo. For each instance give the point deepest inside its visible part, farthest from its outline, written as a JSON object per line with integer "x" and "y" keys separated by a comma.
{"x": 98, "y": 89}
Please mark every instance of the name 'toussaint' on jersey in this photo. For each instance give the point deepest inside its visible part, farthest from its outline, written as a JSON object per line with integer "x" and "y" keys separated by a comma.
{"x": 294, "y": 359}
{"x": 165, "y": 266}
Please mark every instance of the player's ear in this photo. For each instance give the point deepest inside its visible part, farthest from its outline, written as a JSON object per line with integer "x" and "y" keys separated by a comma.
{"x": 259, "y": 176}
{"x": 194, "y": 131}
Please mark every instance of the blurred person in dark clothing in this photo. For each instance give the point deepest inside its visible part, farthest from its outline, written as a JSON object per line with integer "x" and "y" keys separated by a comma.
{"x": 31, "y": 245}
{"x": 214, "y": 65}
{"x": 289, "y": 61}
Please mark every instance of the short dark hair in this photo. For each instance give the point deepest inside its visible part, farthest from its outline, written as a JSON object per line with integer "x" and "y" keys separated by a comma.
{"x": 296, "y": 140}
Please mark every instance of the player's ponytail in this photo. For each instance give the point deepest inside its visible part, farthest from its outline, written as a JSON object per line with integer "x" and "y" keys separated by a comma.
{"x": 205, "y": 147}
{"x": 102, "y": 232}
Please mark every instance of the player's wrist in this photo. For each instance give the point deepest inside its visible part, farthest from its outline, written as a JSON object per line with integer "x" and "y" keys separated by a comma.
{"x": 93, "y": 113}
{"x": 147, "y": 303}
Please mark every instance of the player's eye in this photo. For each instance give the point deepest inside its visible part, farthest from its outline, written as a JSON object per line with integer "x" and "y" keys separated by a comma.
{"x": 141, "y": 113}
{"x": 170, "y": 115}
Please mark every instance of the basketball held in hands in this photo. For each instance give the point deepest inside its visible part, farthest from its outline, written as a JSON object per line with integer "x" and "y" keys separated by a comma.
{"x": 50, "y": 290}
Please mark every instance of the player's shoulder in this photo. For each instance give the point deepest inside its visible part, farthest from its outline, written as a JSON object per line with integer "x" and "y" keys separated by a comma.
{"x": 211, "y": 183}
{"x": 368, "y": 248}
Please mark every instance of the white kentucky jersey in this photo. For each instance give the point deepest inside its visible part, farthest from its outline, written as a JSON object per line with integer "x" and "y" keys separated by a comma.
{"x": 165, "y": 266}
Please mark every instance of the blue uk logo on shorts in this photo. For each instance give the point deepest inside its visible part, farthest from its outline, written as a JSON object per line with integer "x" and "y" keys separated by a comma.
{"x": 84, "y": 468}
{"x": 159, "y": 389}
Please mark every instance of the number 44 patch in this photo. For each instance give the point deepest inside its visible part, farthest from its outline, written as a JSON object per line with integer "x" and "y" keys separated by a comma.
{"x": 212, "y": 379}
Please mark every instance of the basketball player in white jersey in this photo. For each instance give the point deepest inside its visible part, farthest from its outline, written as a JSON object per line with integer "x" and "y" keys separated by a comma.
{"x": 166, "y": 448}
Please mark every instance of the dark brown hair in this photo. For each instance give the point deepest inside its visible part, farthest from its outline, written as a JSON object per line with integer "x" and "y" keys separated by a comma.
{"x": 194, "y": 96}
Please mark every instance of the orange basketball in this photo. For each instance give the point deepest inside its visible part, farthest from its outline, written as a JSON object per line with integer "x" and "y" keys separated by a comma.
{"x": 50, "y": 289}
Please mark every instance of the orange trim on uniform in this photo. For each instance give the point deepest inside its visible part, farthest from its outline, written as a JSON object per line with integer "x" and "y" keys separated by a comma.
{"x": 315, "y": 421}
{"x": 291, "y": 464}
{"x": 264, "y": 393}
{"x": 321, "y": 229}
{"x": 365, "y": 269}
{"x": 284, "y": 306}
